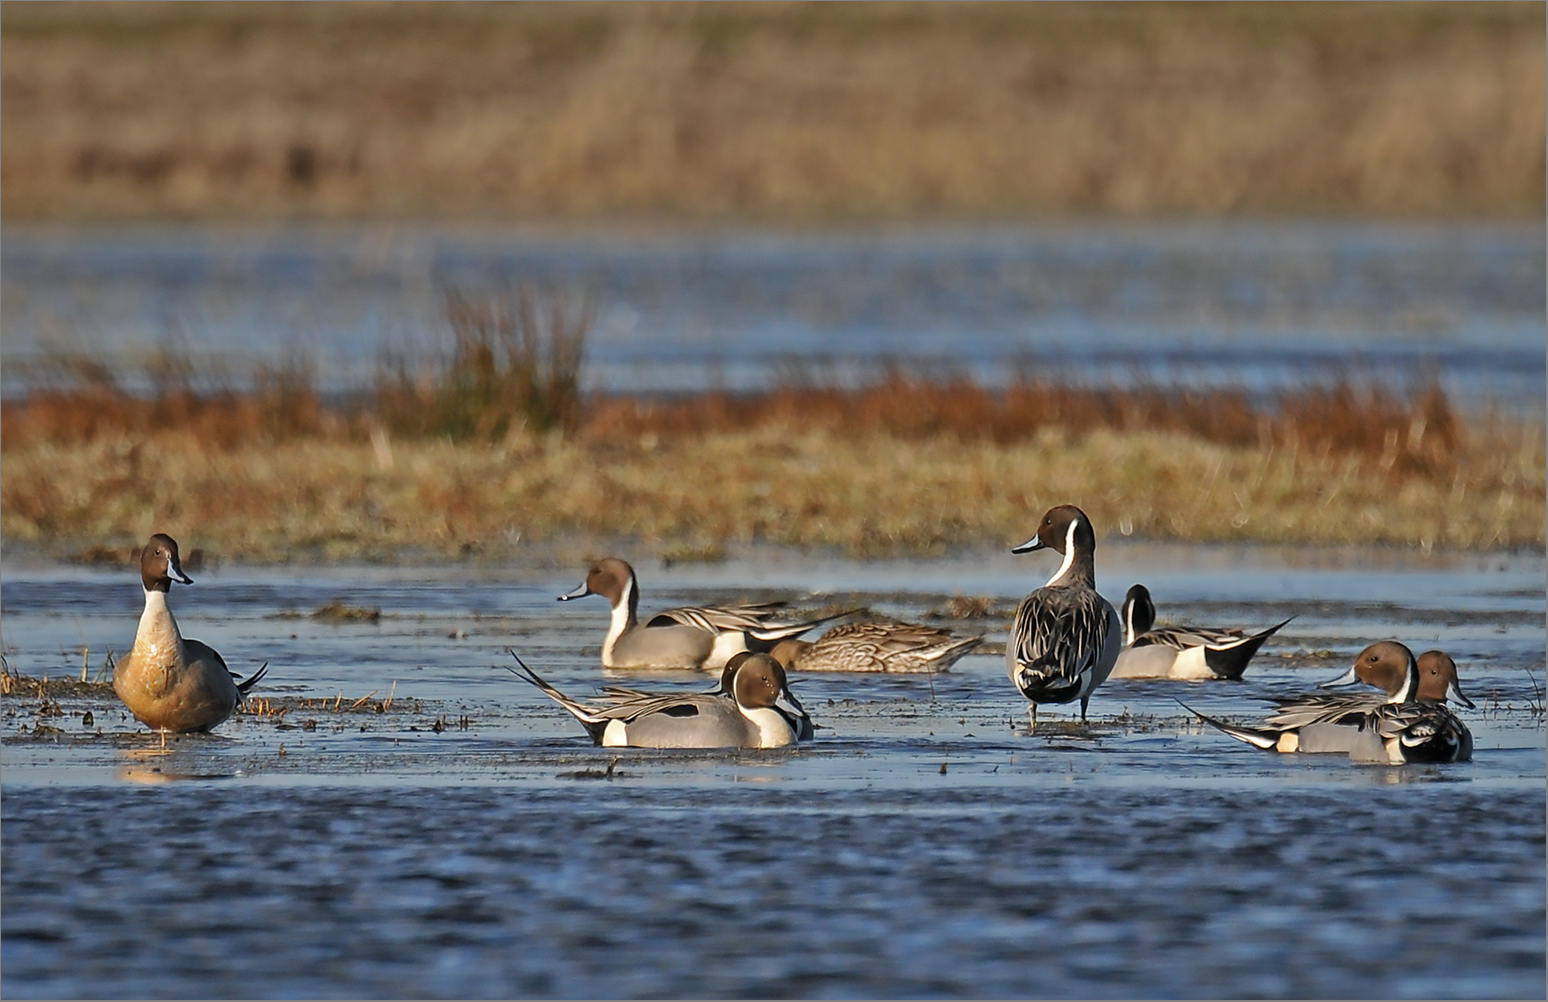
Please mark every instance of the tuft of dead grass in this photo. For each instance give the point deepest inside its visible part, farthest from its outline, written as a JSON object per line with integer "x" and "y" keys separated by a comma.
{"x": 515, "y": 363}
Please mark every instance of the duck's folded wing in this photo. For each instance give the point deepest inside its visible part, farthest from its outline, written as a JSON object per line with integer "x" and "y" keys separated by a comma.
{"x": 720, "y": 619}
{"x": 1058, "y": 636}
{"x": 767, "y": 621}
{"x": 1324, "y": 708}
{"x": 1183, "y": 637}
{"x": 197, "y": 650}
{"x": 1428, "y": 731}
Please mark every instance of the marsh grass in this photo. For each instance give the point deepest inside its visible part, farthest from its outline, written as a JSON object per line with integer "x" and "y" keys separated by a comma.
{"x": 1418, "y": 434}
{"x": 322, "y": 499}
{"x": 791, "y": 112}
{"x": 905, "y": 466}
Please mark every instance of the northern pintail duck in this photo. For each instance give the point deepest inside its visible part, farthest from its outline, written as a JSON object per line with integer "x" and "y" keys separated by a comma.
{"x": 1065, "y": 638}
{"x": 168, "y": 681}
{"x": 877, "y": 645}
{"x": 1407, "y": 722}
{"x": 1183, "y": 652}
{"x": 689, "y": 637}
{"x": 760, "y": 713}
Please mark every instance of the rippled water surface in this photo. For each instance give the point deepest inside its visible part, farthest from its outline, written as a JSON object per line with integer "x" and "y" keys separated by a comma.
{"x": 468, "y": 841}
{"x": 1249, "y": 304}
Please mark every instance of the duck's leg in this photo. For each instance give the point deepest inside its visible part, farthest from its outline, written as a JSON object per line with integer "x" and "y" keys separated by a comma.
{"x": 1031, "y": 718}
{"x": 163, "y": 739}
{"x": 1083, "y": 701}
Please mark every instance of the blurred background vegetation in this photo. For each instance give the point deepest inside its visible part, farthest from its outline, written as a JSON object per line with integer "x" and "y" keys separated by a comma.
{"x": 791, "y": 113}
{"x": 760, "y": 114}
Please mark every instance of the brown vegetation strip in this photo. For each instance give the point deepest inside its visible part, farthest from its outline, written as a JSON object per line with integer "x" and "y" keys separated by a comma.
{"x": 795, "y": 112}
{"x": 308, "y": 499}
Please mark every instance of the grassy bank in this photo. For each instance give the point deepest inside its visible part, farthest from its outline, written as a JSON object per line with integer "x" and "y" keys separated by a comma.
{"x": 341, "y": 498}
{"x": 489, "y": 444}
{"x": 783, "y": 112}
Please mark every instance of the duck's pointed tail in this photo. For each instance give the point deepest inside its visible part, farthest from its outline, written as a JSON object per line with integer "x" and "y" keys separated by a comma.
{"x": 1230, "y": 662}
{"x": 1258, "y": 738}
{"x": 246, "y": 685}
{"x": 589, "y": 718}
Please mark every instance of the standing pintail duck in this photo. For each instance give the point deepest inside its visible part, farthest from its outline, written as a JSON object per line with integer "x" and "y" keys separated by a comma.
{"x": 1065, "y": 638}
{"x": 760, "y": 713}
{"x": 1408, "y": 722}
{"x": 1183, "y": 652}
{"x": 877, "y": 645}
{"x": 168, "y": 681}
{"x": 690, "y": 637}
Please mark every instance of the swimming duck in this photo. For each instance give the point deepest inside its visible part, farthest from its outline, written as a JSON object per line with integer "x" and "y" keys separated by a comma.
{"x": 1065, "y": 638}
{"x": 168, "y": 681}
{"x": 761, "y": 712}
{"x": 877, "y": 645}
{"x": 1407, "y": 722}
{"x": 689, "y": 637}
{"x": 1183, "y": 652}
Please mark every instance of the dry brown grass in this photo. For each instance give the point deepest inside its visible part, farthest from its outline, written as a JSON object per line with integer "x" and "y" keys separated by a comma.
{"x": 804, "y": 486}
{"x": 1420, "y": 435}
{"x": 798, "y": 112}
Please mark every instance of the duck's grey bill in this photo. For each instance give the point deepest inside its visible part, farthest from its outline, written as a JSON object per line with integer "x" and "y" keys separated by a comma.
{"x": 787, "y": 703}
{"x": 1454, "y": 693}
{"x": 580, "y": 592}
{"x": 1348, "y": 678}
{"x": 1032, "y": 544}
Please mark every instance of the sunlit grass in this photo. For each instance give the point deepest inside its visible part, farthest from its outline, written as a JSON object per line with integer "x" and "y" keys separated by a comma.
{"x": 789, "y": 112}
{"x": 868, "y": 496}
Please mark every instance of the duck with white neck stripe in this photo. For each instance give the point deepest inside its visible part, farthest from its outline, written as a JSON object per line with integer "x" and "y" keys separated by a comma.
{"x": 1410, "y": 722}
{"x": 759, "y": 713}
{"x": 1065, "y": 638}
{"x": 1182, "y": 652}
{"x": 170, "y": 682}
{"x": 690, "y": 637}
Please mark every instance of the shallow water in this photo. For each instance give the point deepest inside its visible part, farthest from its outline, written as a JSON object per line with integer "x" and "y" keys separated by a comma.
{"x": 1255, "y": 304}
{"x": 924, "y": 844}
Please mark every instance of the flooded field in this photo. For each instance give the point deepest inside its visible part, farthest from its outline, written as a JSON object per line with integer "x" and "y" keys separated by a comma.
{"x": 402, "y": 816}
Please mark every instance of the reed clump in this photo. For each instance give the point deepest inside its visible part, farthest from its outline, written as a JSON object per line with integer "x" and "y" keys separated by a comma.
{"x": 515, "y": 363}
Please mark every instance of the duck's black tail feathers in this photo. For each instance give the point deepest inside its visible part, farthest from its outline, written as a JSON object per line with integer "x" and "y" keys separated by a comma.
{"x": 246, "y": 685}
{"x": 1230, "y": 662}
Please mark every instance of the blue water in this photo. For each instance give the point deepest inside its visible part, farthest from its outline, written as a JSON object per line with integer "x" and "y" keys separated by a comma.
{"x": 923, "y": 845}
{"x": 1254, "y": 304}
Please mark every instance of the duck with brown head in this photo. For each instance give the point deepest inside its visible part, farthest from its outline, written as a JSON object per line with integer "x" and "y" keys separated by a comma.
{"x": 1065, "y": 638}
{"x": 1407, "y": 721}
{"x": 759, "y": 713}
{"x": 168, "y": 681}
{"x": 690, "y": 637}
